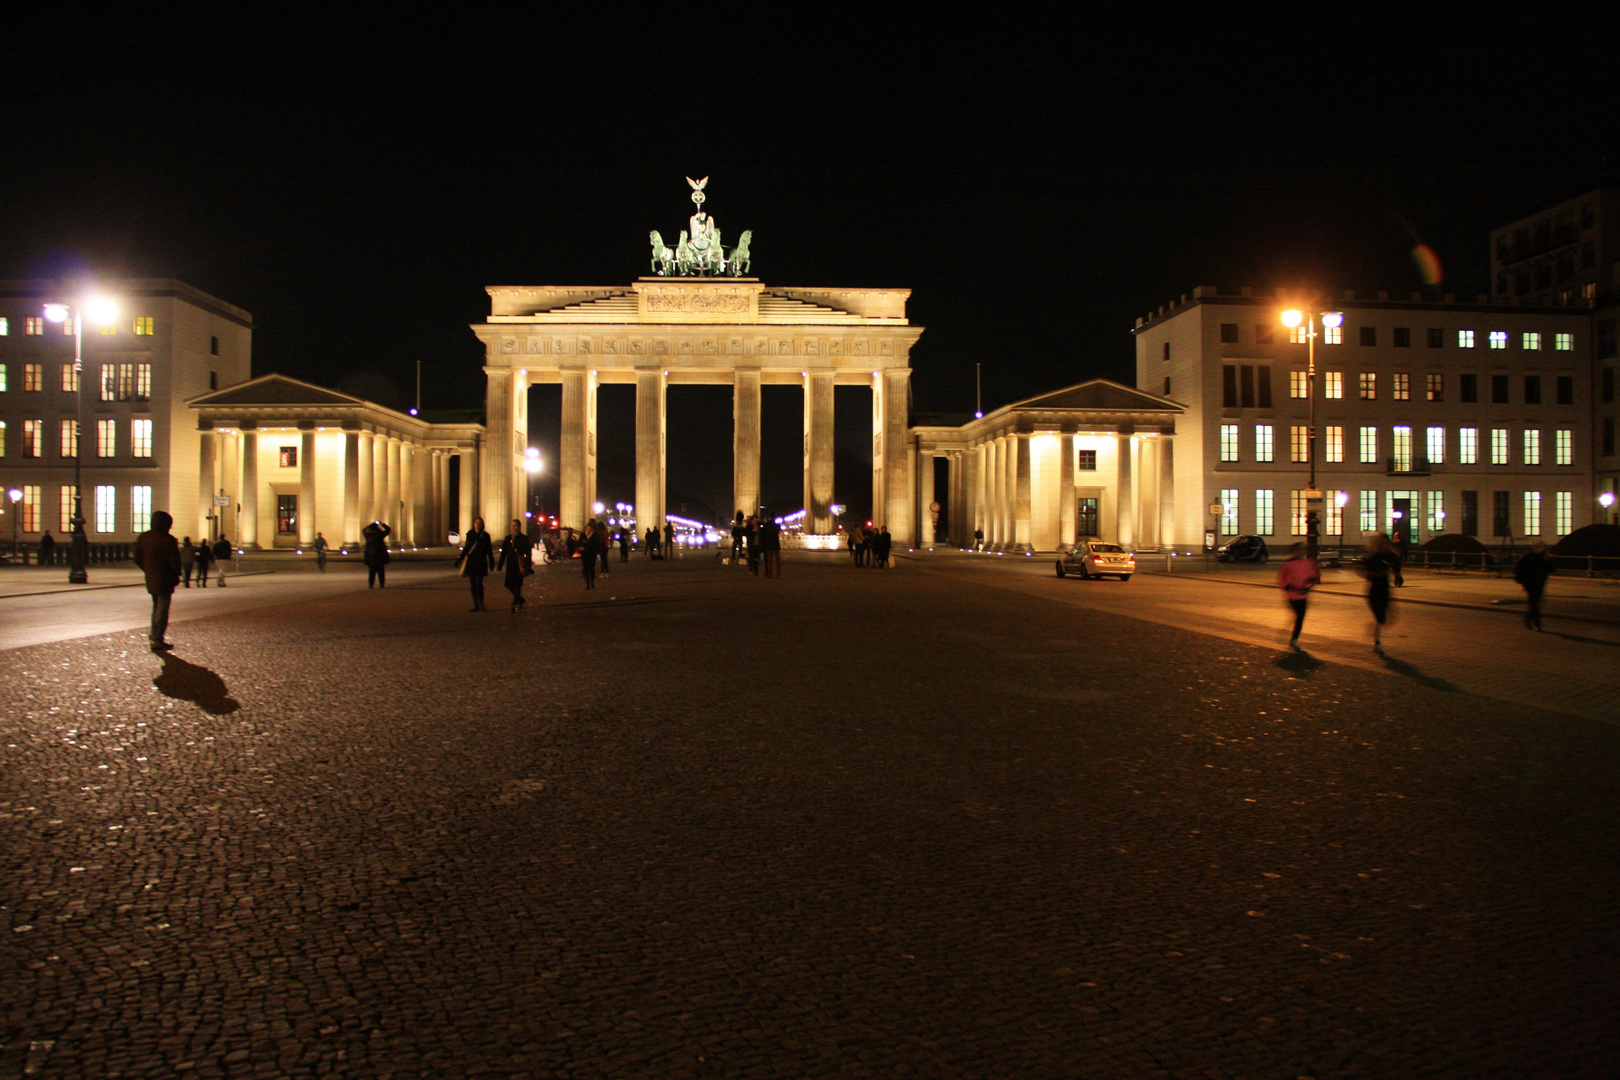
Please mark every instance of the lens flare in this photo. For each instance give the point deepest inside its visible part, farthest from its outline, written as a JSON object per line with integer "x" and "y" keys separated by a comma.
{"x": 1428, "y": 264}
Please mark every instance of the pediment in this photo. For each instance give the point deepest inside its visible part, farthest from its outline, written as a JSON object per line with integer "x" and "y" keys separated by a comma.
{"x": 1103, "y": 395}
{"x": 275, "y": 390}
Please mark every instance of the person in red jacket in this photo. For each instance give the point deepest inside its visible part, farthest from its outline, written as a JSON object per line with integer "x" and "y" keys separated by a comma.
{"x": 1296, "y": 579}
{"x": 157, "y": 553}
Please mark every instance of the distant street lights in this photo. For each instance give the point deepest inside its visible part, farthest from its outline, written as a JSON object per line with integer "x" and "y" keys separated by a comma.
{"x": 1313, "y": 497}
{"x": 531, "y": 462}
{"x": 15, "y": 495}
{"x": 101, "y": 312}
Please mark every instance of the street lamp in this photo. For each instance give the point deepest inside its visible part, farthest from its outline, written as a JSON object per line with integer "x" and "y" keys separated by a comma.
{"x": 15, "y": 495}
{"x": 1313, "y": 497}
{"x": 1606, "y": 500}
{"x": 101, "y": 311}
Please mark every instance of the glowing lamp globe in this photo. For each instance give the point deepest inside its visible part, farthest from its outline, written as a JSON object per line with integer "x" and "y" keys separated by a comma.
{"x": 1292, "y": 318}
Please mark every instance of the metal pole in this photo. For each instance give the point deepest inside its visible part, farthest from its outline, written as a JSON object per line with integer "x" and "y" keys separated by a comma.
{"x": 79, "y": 548}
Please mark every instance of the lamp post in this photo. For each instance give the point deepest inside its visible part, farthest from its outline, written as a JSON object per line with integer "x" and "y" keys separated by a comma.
{"x": 1606, "y": 500}
{"x": 15, "y": 495}
{"x": 101, "y": 311}
{"x": 531, "y": 462}
{"x": 1313, "y": 497}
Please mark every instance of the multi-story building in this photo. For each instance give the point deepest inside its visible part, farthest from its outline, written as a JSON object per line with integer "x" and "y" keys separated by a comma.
{"x": 1565, "y": 256}
{"x": 169, "y": 343}
{"x": 1431, "y": 417}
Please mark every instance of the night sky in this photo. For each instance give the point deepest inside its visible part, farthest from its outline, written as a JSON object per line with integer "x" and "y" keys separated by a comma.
{"x": 356, "y": 180}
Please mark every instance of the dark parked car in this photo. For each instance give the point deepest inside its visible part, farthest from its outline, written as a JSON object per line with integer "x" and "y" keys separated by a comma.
{"x": 1243, "y": 549}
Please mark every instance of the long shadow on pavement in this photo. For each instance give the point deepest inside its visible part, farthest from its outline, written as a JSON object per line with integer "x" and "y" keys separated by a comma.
{"x": 1299, "y": 665}
{"x": 1412, "y": 671}
{"x": 188, "y": 682}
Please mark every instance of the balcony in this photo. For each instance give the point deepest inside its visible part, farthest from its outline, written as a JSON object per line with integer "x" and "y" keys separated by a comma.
{"x": 1407, "y": 466}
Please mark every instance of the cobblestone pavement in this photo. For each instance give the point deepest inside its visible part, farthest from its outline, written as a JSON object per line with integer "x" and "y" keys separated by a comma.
{"x": 849, "y": 823}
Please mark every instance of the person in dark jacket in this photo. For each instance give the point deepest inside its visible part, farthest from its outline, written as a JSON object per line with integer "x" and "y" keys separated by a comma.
{"x": 1532, "y": 573}
{"x": 47, "y": 545}
{"x": 204, "y": 557}
{"x": 222, "y": 555}
{"x": 188, "y": 561}
{"x": 592, "y": 547}
{"x": 477, "y": 557}
{"x": 770, "y": 542}
{"x": 376, "y": 556}
{"x": 158, "y": 555}
{"x": 516, "y": 559}
{"x": 1382, "y": 560}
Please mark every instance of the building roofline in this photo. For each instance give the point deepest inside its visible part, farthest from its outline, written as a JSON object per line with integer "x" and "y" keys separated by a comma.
{"x": 172, "y": 288}
{"x": 1344, "y": 301}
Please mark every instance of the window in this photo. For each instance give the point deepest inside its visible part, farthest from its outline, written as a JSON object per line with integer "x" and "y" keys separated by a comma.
{"x": 1437, "y": 337}
{"x": 1401, "y": 444}
{"x": 1532, "y": 446}
{"x": 143, "y": 325}
{"x": 1605, "y": 384}
{"x": 1369, "y": 386}
{"x": 143, "y": 382}
{"x": 1369, "y": 445}
{"x": 70, "y": 379}
{"x": 1436, "y": 445}
{"x": 1563, "y": 513}
{"x": 1297, "y": 514}
{"x": 1262, "y": 442}
{"x": 213, "y": 380}
{"x": 1229, "y": 511}
{"x": 1437, "y": 512}
{"x": 140, "y": 508}
{"x": 1335, "y": 515}
{"x": 106, "y": 438}
{"x": 1262, "y": 385}
{"x": 1498, "y": 339}
{"x": 2, "y": 438}
{"x": 1531, "y": 341}
{"x": 1499, "y": 451}
{"x": 1334, "y": 384}
{"x": 1608, "y": 436}
{"x": 287, "y": 515}
{"x": 1532, "y": 389}
{"x": 1331, "y": 335}
{"x": 1299, "y": 384}
{"x": 1369, "y": 335}
{"x": 1167, "y": 386}
{"x": 289, "y": 457}
{"x": 1403, "y": 337}
{"x": 1334, "y": 453}
{"x": 1299, "y": 442}
{"x": 68, "y": 435}
{"x": 2, "y": 378}
{"x": 1532, "y": 513}
{"x": 1368, "y": 511}
{"x": 1499, "y": 389}
{"x": 1413, "y": 506}
{"x": 1563, "y": 342}
{"x": 106, "y": 508}
{"x": 33, "y": 444}
{"x": 1465, "y": 339}
{"x": 1298, "y": 335}
{"x": 1400, "y": 386}
{"x": 1470, "y": 513}
{"x": 34, "y": 325}
{"x": 1468, "y": 388}
{"x": 65, "y": 507}
{"x": 213, "y": 345}
{"x": 1088, "y": 461}
{"x": 1229, "y": 386}
{"x": 1563, "y": 447}
{"x": 33, "y": 377}
{"x": 67, "y": 326}
{"x": 28, "y": 509}
{"x": 1468, "y": 446}
{"x": 1229, "y": 442}
{"x": 108, "y": 331}
{"x": 1166, "y": 358}
{"x": 1243, "y": 385}
{"x": 5, "y": 327}
{"x": 109, "y": 382}
{"x": 1229, "y": 333}
{"x": 140, "y": 438}
{"x": 1501, "y": 523}
{"x": 1262, "y": 333}
{"x": 1263, "y": 521}
{"x": 1436, "y": 386}
{"x": 1566, "y": 388}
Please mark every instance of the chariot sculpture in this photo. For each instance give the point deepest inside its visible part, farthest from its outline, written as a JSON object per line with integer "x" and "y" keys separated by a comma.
{"x": 699, "y": 251}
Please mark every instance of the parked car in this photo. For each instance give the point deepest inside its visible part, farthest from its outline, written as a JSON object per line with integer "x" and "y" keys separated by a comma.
{"x": 1243, "y": 549}
{"x": 1093, "y": 558}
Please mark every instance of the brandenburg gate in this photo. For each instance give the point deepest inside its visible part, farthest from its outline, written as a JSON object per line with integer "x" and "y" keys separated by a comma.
{"x": 691, "y": 323}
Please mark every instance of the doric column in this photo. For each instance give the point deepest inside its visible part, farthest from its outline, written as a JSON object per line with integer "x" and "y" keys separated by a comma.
{"x": 249, "y": 498}
{"x": 927, "y": 476}
{"x": 650, "y": 449}
{"x": 981, "y": 490}
{"x": 577, "y": 469}
{"x": 306, "y": 483}
{"x": 407, "y": 493}
{"x": 878, "y": 489}
{"x": 992, "y": 493}
{"x": 441, "y": 497}
{"x": 467, "y": 472}
{"x": 379, "y": 478}
{"x": 745, "y": 436}
{"x": 207, "y": 448}
{"x": 500, "y": 426}
{"x": 1167, "y": 491}
{"x": 1023, "y": 534}
{"x": 1066, "y": 503}
{"x": 898, "y": 476}
{"x": 1009, "y": 492}
{"x": 365, "y": 497}
{"x": 391, "y": 488}
{"x": 1125, "y": 494}
{"x": 818, "y": 453}
{"x": 351, "y": 491}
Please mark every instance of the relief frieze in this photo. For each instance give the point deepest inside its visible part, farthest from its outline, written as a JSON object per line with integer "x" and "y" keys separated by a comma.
{"x": 706, "y": 301}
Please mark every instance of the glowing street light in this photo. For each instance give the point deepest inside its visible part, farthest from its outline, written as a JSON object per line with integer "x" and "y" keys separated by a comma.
{"x": 1313, "y": 498}
{"x": 15, "y": 495}
{"x": 1606, "y": 500}
{"x": 100, "y": 311}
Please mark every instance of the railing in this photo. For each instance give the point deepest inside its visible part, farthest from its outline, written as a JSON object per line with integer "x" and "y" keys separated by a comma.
{"x": 28, "y": 553}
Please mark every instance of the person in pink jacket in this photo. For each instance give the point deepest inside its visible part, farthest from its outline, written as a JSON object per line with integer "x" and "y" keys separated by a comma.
{"x": 1296, "y": 578}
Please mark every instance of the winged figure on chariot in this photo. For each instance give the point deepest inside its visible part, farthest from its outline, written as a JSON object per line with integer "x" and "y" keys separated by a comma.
{"x": 699, "y": 251}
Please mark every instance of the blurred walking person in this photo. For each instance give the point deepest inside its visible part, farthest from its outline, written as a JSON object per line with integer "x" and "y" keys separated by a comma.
{"x": 477, "y": 557}
{"x": 1532, "y": 573}
{"x": 205, "y": 555}
{"x": 376, "y": 555}
{"x": 1296, "y": 578}
{"x": 517, "y": 560}
{"x": 592, "y": 550}
{"x": 1380, "y": 562}
{"x": 188, "y": 561}
{"x": 158, "y": 556}
{"x": 770, "y": 542}
{"x": 47, "y": 546}
{"x": 222, "y": 555}
{"x": 320, "y": 552}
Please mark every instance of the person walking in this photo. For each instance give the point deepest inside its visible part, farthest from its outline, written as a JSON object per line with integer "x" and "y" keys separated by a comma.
{"x": 158, "y": 556}
{"x": 47, "y": 547}
{"x": 738, "y": 532}
{"x": 882, "y": 544}
{"x": 476, "y": 559}
{"x": 222, "y": 555}
{"x": 770, "y": 542}
{"x": 376, "y": 554}
{"x": 205, "y": 556}
{"x": 591, "y": 550}
{"x": 320, "y": 552}
{"x": 517, "y": 560}
{"x": 188, "y": 560}
{"x": 669, "y": 540}
{"x": 1532, "y": 573}
{"x": 1379, "y": 563}
{"x": 1297, "y": 577}
{"x": 978, "y": 539}
{"x": 624, "y": 544}
{"x": 607, "y": 546}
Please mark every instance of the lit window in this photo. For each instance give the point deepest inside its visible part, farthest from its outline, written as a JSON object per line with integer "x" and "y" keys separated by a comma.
{"x": 1369, "y": 445}
{"x": 1563, "y": 447}
{"x": 108, "y": 331}
{"x": 1563, "y": 512}
{"x": 1498, "y": 339}
{"x": 106, "y": 508}
{"x": 1335, "y": 515}
{"x": 109, "y": 382}
{"x": 1563, "y": 342}
{"x": 1532, "y": 446}
{"x": 1437, "y": 445}
{"x": 67, "y": 326}
{"x": 1331, "y": 335}
{"x": 1229, "y": 511}
{"x": 1334, "y": 451}
{"x": 2, "y": 378}
{"x": 140, "y": 438}
{"x": 1532, "y": 513}
{"x": 1400, "y": 386}
{"x": 1299, "y": 442}
{"x": 1229, "y": 442}
{"x": 2, "y": 438}
{"x": 1297, "y": 512}
{"x": 289, "y": 457}
{"x": 1334, "y": 384}
{"x": 1436, "y": 386}
{"x": 1401, "y": 446}
{"x": 1468, "y": 446}
{"x": 64, "y": 507}
{"x": 5, "y": 326}
{"x": 140, "y": 508}
{"x": 34, "y": 377}
{"x": 1499, "y": 446}
{"x": 143, "y": 325}
{"x": 143, "y": 382}
{"x": 1532, "y": 340}
{"x": 28, "y": 509}
{"x": 1298, "y": 384}
{"x": 106, "y": 438}
{"x": 1298, "y": 335}
{"x": 1263, "y": 512}
{"x": 1369, "y": 386}
{"x": 70, "y": 379}
{"x": 69, "y": 437}
{"x": 34, "y": 325}
{"x": 1262, "y": 442}
{"x": 1437, "y": 512}
{"x": 1465, "y": 339}
{"x": 1368, "y": 510}
{"x": 33, "y": 444}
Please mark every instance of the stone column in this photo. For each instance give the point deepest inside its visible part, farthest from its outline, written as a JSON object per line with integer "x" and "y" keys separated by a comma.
{"x": 1125, "y": 527}
{"x": 992, "y": 493}
{"x": 467, "y": 472}
{"x": 927, "y": 476}
{"x": 577, "y": 469}
{"x": 407, "y": 493}
{"x": 1008, "y": 503}
{"x": 1167, "y": 492}
{"x": 208, "y": 443}
{"x": 879, "y": 489}
{"x": 650, "y": 450}
{"x": 500, "y": 428}
{"x": 745, "y": 437}
{"x": 981, "y": 491}
{"x": 306, "y": 484}
{"x": 1066, "y": 504}
{"x": 365, "y": 499}
{"x": 898, "y": 476}
{"x": 441, "y": 497}
{"x": 351, "y": 491}
{"x": 379, "y": 478}
{"x": 391, "y": 488}
{"x": 818, "y": 448}
{"x": 1023, "y": 534}
{"x": 249, "y": 500}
